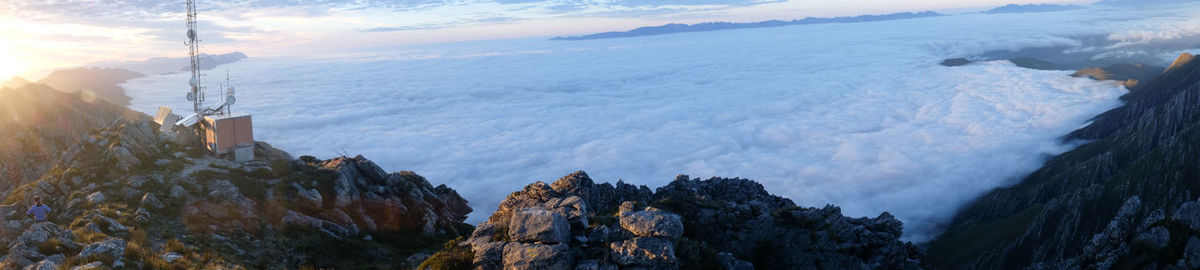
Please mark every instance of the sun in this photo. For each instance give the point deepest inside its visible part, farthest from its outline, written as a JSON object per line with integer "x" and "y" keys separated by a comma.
{"x": 8, "y": 67}
{"x": 10, "y": 64}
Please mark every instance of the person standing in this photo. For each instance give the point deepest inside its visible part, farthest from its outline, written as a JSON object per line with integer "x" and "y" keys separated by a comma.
{"x": 39, "y": 210}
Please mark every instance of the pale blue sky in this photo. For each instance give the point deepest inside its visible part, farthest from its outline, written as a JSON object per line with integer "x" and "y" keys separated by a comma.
{"x": 36, "y": 35}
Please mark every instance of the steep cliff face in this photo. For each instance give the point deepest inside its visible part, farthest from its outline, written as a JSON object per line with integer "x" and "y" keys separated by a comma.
{"x": 1126, "y": 199}
{"x": 719, "y": 223}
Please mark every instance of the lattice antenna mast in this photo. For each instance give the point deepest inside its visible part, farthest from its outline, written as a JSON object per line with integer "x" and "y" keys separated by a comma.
{"x": 196, "y": 95}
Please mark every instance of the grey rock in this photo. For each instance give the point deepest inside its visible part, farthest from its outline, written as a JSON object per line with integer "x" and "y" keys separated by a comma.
{"x": 89, "y": 266}
{"x": 110, "y": 249}
{"x": 171, "y": 256}
{"x": 652, "y": 223}
{"x": 49, "y": 263}
{"x": 325, "y": 226}
{"x": 489, "y": 255}
{"x": 653, "y": 252}
{"x": 535, "y": 225}
{"x": 1188, "y": 214}
{"x": 109, "y": 225}
{"x": 21, "y": 253}
{"x": 588, "y": 265}
{"x": 149, "y": 201}
{"x": 137, "y": 181}
{"x": 178, "y": 192}
{"x": 310, "y": 197}
{"x": 1191, "y": 252}
{"x": 519, "y": 256}
{"x": 729, "y": 262}
{"x": 96, "y": 197}
{"x": 416, "y": 259}
{"x": 1156, "y": 237}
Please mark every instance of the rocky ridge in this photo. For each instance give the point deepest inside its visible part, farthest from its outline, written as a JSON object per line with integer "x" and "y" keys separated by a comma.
{"x": 718, "y": 223}
{"x": 131, "y": 197}
{"x": 41, "y": 126}
{"x": 1124, "y": 200}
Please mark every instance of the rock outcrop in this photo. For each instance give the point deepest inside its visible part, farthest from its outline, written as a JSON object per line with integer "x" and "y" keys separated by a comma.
{"x": 128, "y": 196}
{"x": 1124, "y": 200}
{"x": 688, "y": 224}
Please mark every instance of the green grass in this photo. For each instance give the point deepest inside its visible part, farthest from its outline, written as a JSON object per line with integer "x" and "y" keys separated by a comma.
{"x": 451, "y": 257}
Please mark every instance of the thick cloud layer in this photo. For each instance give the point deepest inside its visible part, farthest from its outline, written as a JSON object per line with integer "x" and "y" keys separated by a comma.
{"x": 859, "y": 115}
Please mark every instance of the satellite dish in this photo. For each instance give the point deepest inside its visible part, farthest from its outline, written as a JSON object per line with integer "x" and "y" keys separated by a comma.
{"x": 230, "y": 100}
{"x": 191, "y": 96}
{"x": 194, "y": 82}
{"x": 191, "y": 34}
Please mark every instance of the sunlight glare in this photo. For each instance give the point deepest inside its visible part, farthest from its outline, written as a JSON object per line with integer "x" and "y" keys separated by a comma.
{"x": 10, "y": 65}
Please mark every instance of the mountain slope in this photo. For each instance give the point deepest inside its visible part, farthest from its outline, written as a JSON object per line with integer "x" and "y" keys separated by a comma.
{"x": 126, "y": 196}
{"x": 40, "y": 125}
{"x": 102, "y": 83}
{"x": 1121, "y": 200}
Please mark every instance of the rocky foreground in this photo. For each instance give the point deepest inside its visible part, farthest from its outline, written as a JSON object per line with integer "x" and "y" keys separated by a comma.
{"x": 718, "y": 223}
{"x": 127, "y": 196}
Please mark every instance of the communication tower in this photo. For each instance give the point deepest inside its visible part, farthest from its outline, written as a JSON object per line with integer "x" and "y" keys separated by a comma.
{"x": 220, "y": 130}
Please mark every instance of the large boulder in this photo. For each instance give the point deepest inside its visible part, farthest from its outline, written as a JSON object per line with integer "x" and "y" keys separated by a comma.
{"x": 489, "y": 255}
{"x": 650, "y": 252}
{"x": 110, "y": 249}
{"x": 24, "y": 250}
{"x": 536, "y": 225}
{"x": 652, "y": 223}
{"x": 520, "y": 256}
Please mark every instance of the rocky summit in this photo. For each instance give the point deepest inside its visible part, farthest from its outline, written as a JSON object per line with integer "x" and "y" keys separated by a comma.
{"x": 718, "y": 223}
{"x": 132, "y": 199}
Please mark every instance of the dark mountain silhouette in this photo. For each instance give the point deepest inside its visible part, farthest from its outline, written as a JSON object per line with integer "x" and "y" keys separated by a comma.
{"x": 714, "y": 26}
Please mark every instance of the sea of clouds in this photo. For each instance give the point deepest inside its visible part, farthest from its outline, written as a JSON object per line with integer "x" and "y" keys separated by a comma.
{"x": 857, "y": 115}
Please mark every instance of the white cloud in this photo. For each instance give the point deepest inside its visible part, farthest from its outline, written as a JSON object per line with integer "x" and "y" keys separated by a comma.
{"x": 858, "y": 115}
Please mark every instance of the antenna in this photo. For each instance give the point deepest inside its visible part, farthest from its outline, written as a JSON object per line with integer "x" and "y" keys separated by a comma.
{"x": 236, "y": 133}
{"x": 196, "y": 96}
{"x": 229, "y": 99}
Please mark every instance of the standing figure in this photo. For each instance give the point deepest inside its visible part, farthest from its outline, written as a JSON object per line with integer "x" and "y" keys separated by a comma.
{"x": 39, "y": 211}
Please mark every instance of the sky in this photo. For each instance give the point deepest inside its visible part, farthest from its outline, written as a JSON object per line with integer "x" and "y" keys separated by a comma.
{"x": 37, "y": 36}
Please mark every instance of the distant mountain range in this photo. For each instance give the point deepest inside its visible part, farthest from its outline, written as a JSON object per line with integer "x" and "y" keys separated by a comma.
{"x": 169, "y": 65}
{"x": 1141, "y": 2}
{"x": 714, "y": 26}
{"x": 103, "y": 79}
{"x": 1014, "y": 8}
